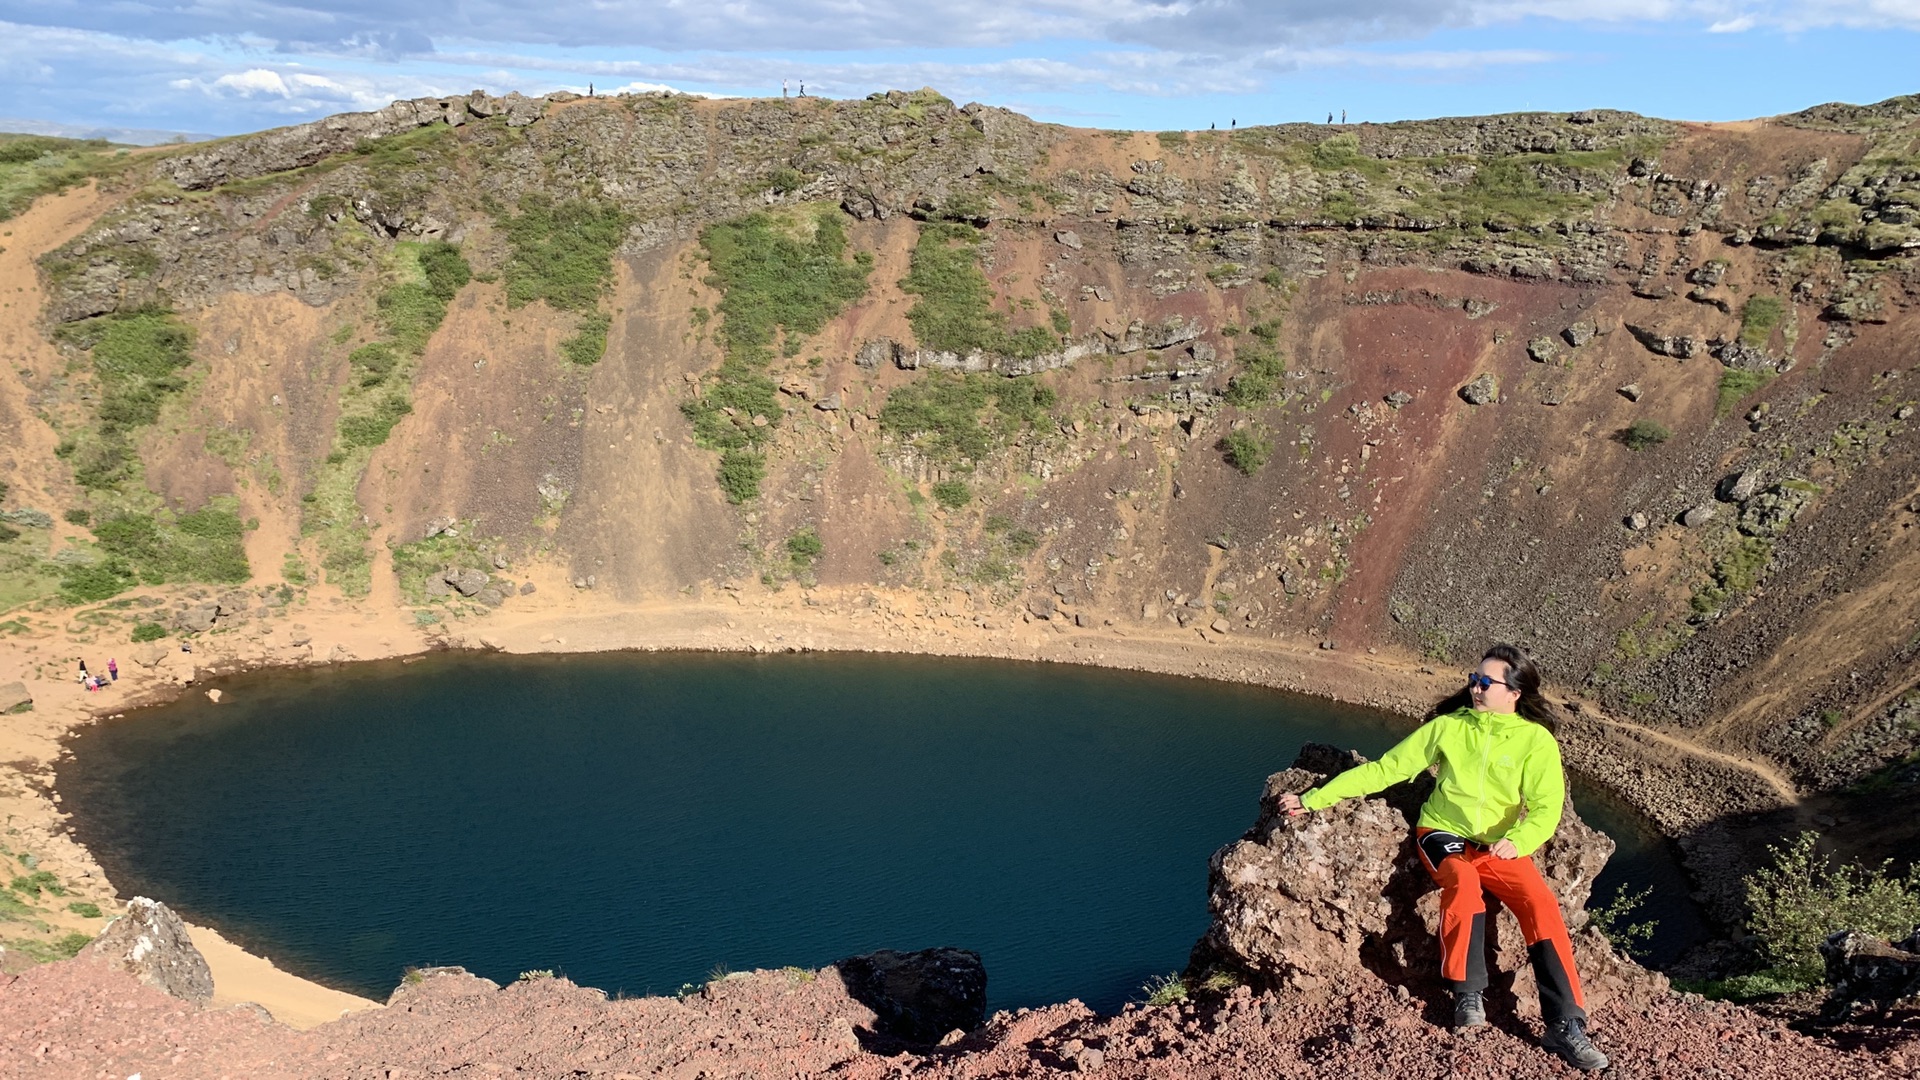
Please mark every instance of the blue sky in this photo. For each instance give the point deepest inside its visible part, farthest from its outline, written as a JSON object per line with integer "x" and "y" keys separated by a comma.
{"x": 224, "y": 66}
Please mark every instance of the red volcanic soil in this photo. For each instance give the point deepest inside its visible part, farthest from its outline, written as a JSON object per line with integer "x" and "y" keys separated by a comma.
{"x": 82, "y": 1019}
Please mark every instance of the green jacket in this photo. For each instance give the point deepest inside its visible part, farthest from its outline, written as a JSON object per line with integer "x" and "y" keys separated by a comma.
{"x": 1490, "y": 765}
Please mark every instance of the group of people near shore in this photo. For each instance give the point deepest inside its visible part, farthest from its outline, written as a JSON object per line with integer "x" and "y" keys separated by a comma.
{"x": 1498, "y": 796}
{"x": 91, "y": 682}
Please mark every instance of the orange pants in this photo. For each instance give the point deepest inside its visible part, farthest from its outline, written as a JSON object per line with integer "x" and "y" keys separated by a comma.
{"x": 1466, "y": 871}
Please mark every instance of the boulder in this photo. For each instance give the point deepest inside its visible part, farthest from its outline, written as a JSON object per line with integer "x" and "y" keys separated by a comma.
{"x": 526, "y": 588}
{"x": 1067, "y": 238}
{"x": 833, "y": 402}
{"x": 1579, "y": 333}
{"x": 875, "y": 352}
{"x": 1861, "y": 967}
{"x": 1543, "y": 349}
{"x": 437, "y": 587}
{"x": 1631, "y": 392}
{"x": 1738, "y": 487}
{"x": 1481, "y": 391}
{"x": 1696, "y": 516}
{"x": 466, "y": 580}
{"x": 1041, "y": 607}
{"x": 1637, "y": 521}
{"x": 199, "y": 618}
{"x": 1325, "y": 900}
{"x": 1678, "y": 346}
{"x": 1399, "y": 399}
{"x": 13, "y": 695}
{"x": 919, "y": 996}
{"x": 491, "y": 597}
{"x": 150, "y": 943}
{"x": 150, "y": 654}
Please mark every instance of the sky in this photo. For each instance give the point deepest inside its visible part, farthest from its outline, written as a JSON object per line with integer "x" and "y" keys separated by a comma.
{"x": 228, "y": 66}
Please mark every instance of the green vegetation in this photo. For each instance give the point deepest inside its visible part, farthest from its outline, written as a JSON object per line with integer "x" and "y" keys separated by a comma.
{"x": 1615, "y": 921}
{"x": 137, "y": 357}
{"x": 562, "y": 251}
{"x": 64, "y": 947}
{"x": 961, "y": 419}
{"x": 1735, "y": 385}
{"x": 1758, "y": 317}
{"x": 588, "y": 343}
{"x": 1734, "y": 572}
{"x": 206, "y": 545}
{"x": 148, "y": 631}
{"x": 1261, "y": 368}
{"x": 37, "y": 882}
{"x": 78, "y": 516}
{"x": 86, "y": 909}
{"x": 1754, "y": 986}
{"x": 1643, "y": 435}
{"x": 1803, "y": 897}
{"x": 422, "y": 280}
{"x": 99, "y": 581}
{"x": 36, "y": 165}
{"x": 1246, "y": 449}
{"x": 779, "y": 277}
{"x": 803, "y": 547}
{"x": 420, "y": 562}
{"x": 952, "y": 494}
{"x": 1175, "y": 988}
{"x": 955, "y": 312}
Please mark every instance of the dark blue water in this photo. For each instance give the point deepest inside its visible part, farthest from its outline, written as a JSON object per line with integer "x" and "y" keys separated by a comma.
{"x": 638, "y": 821}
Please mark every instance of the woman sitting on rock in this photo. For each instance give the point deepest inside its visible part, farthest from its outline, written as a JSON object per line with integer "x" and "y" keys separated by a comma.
{"x": 1497, "y": 758}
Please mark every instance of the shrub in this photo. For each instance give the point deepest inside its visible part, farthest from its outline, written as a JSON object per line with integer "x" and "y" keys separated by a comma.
{"x": 1803, "y": 897}
{"x": 952, "y": 494}
{"x": 803, "y": 547}
{"x": 1246, "y": 450}
{"x": 371, "y": 429}
{"x": 206, "y": 545}
{"x": 963, "y": 418}
{"x": 86, "y": 909}
{"x": 589, "y": 343}
{"x": 1614, "y": 920}
{"x": 1643, "y": 435}
{"x": 740, "y": 474}
{"x": 1259, "y": 377}
{"x": 137, "y": 357}
{"x": 1734, "y": 572}
{"x": 86, "y": 584}
{"x": 77, "y": 516}
{"x": 8, "y": 532}
{"x": 373, "y": 363}
{"x": 148, "y": 631}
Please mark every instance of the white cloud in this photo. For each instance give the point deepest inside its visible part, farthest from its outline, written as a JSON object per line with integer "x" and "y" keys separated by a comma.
{"x": 1732, "y": 26}
{"x": 253, "y": 81}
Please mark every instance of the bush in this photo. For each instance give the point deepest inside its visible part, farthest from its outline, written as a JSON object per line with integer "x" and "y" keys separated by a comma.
{"x": 740, "y": 474}
{"x": 589, "y": 343}
{"x": 77, "y": 516}
{"x": 964, "y": 418}
{"x": 148, "y": 631}
{"x": 803, "y": 547}
{"x": 952, "y": 494}
{"x": 371, "y": 429}
{"x": 1614, "y": 920}
{"x": 8, "y": 532}
{"x": 206, "y": 545}
{"x": 1643, "y": 435}
{"x": 86, "y": 909}
{"x": 86, "y": 584}
{"x": 373, "y": 363}
{"x": 1259, "y": 377}
{"x": 1803, "y": 897}
{"x": 1734, "y": 572}
{"x": 1246, "y": 450}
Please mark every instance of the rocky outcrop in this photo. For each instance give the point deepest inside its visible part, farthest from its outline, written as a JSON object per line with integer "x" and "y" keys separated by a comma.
{"x": 150, "y": 943}
{"x": 1864, "y": 968}
{"x": 1321, "y": 901}
{"x": 919, "y": 996}
{"x": 13, "y": 695}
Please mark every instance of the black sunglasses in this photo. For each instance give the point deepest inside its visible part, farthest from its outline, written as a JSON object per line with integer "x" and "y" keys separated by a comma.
{"x": 1477, "y": 681}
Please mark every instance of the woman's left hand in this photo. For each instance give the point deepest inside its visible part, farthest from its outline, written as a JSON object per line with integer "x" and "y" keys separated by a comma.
{"x": 1503, "y": 849}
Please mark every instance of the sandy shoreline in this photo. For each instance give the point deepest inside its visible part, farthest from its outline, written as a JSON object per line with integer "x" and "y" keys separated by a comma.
{"x": 561, "y": 619}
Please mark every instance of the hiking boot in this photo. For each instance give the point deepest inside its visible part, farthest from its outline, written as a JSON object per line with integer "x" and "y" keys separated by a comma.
{"x": 1469, "y": 1011}
{"x": 1568, "y": 1040}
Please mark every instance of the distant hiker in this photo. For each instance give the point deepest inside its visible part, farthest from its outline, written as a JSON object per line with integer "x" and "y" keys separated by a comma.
{"x": 113, "y": 668}
{"x": 1233, "y": 123}
{"x": 783, "y": 89}
{"x": 83, "y": 667}
{"x": 803, "y": 88}
{"x": 589, "y": 89}
{"x": 1329, "y": 118}
{"x": 1213, "y": 126}
{"x": 1496, "y": 754}
{"x": 1343, "y": 117}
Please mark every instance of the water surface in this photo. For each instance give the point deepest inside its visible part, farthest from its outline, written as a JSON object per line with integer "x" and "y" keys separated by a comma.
{"x": 638, "y": 821}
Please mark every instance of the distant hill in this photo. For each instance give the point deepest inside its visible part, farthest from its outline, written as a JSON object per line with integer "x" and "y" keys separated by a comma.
{"x": 124, "y": 136}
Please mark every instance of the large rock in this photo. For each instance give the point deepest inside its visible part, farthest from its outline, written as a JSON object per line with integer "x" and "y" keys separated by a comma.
{"x": 1861, "y": 967}
{"x": 150, "y": 943}
{"x": 1320, "y": 901}
{"x": 1481, "y": 391}
{"x": 13, "y": 695}
{"x": 466, "y": 580}
{"x": 199, "y": 618}
{"x": 919, "y": 996}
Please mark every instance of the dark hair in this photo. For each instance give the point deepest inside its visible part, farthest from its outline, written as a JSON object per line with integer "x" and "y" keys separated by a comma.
{"x": 1522, "y": 675}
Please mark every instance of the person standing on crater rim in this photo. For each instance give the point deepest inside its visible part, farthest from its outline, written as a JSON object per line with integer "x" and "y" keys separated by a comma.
{"x": 1497, "y": 756}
